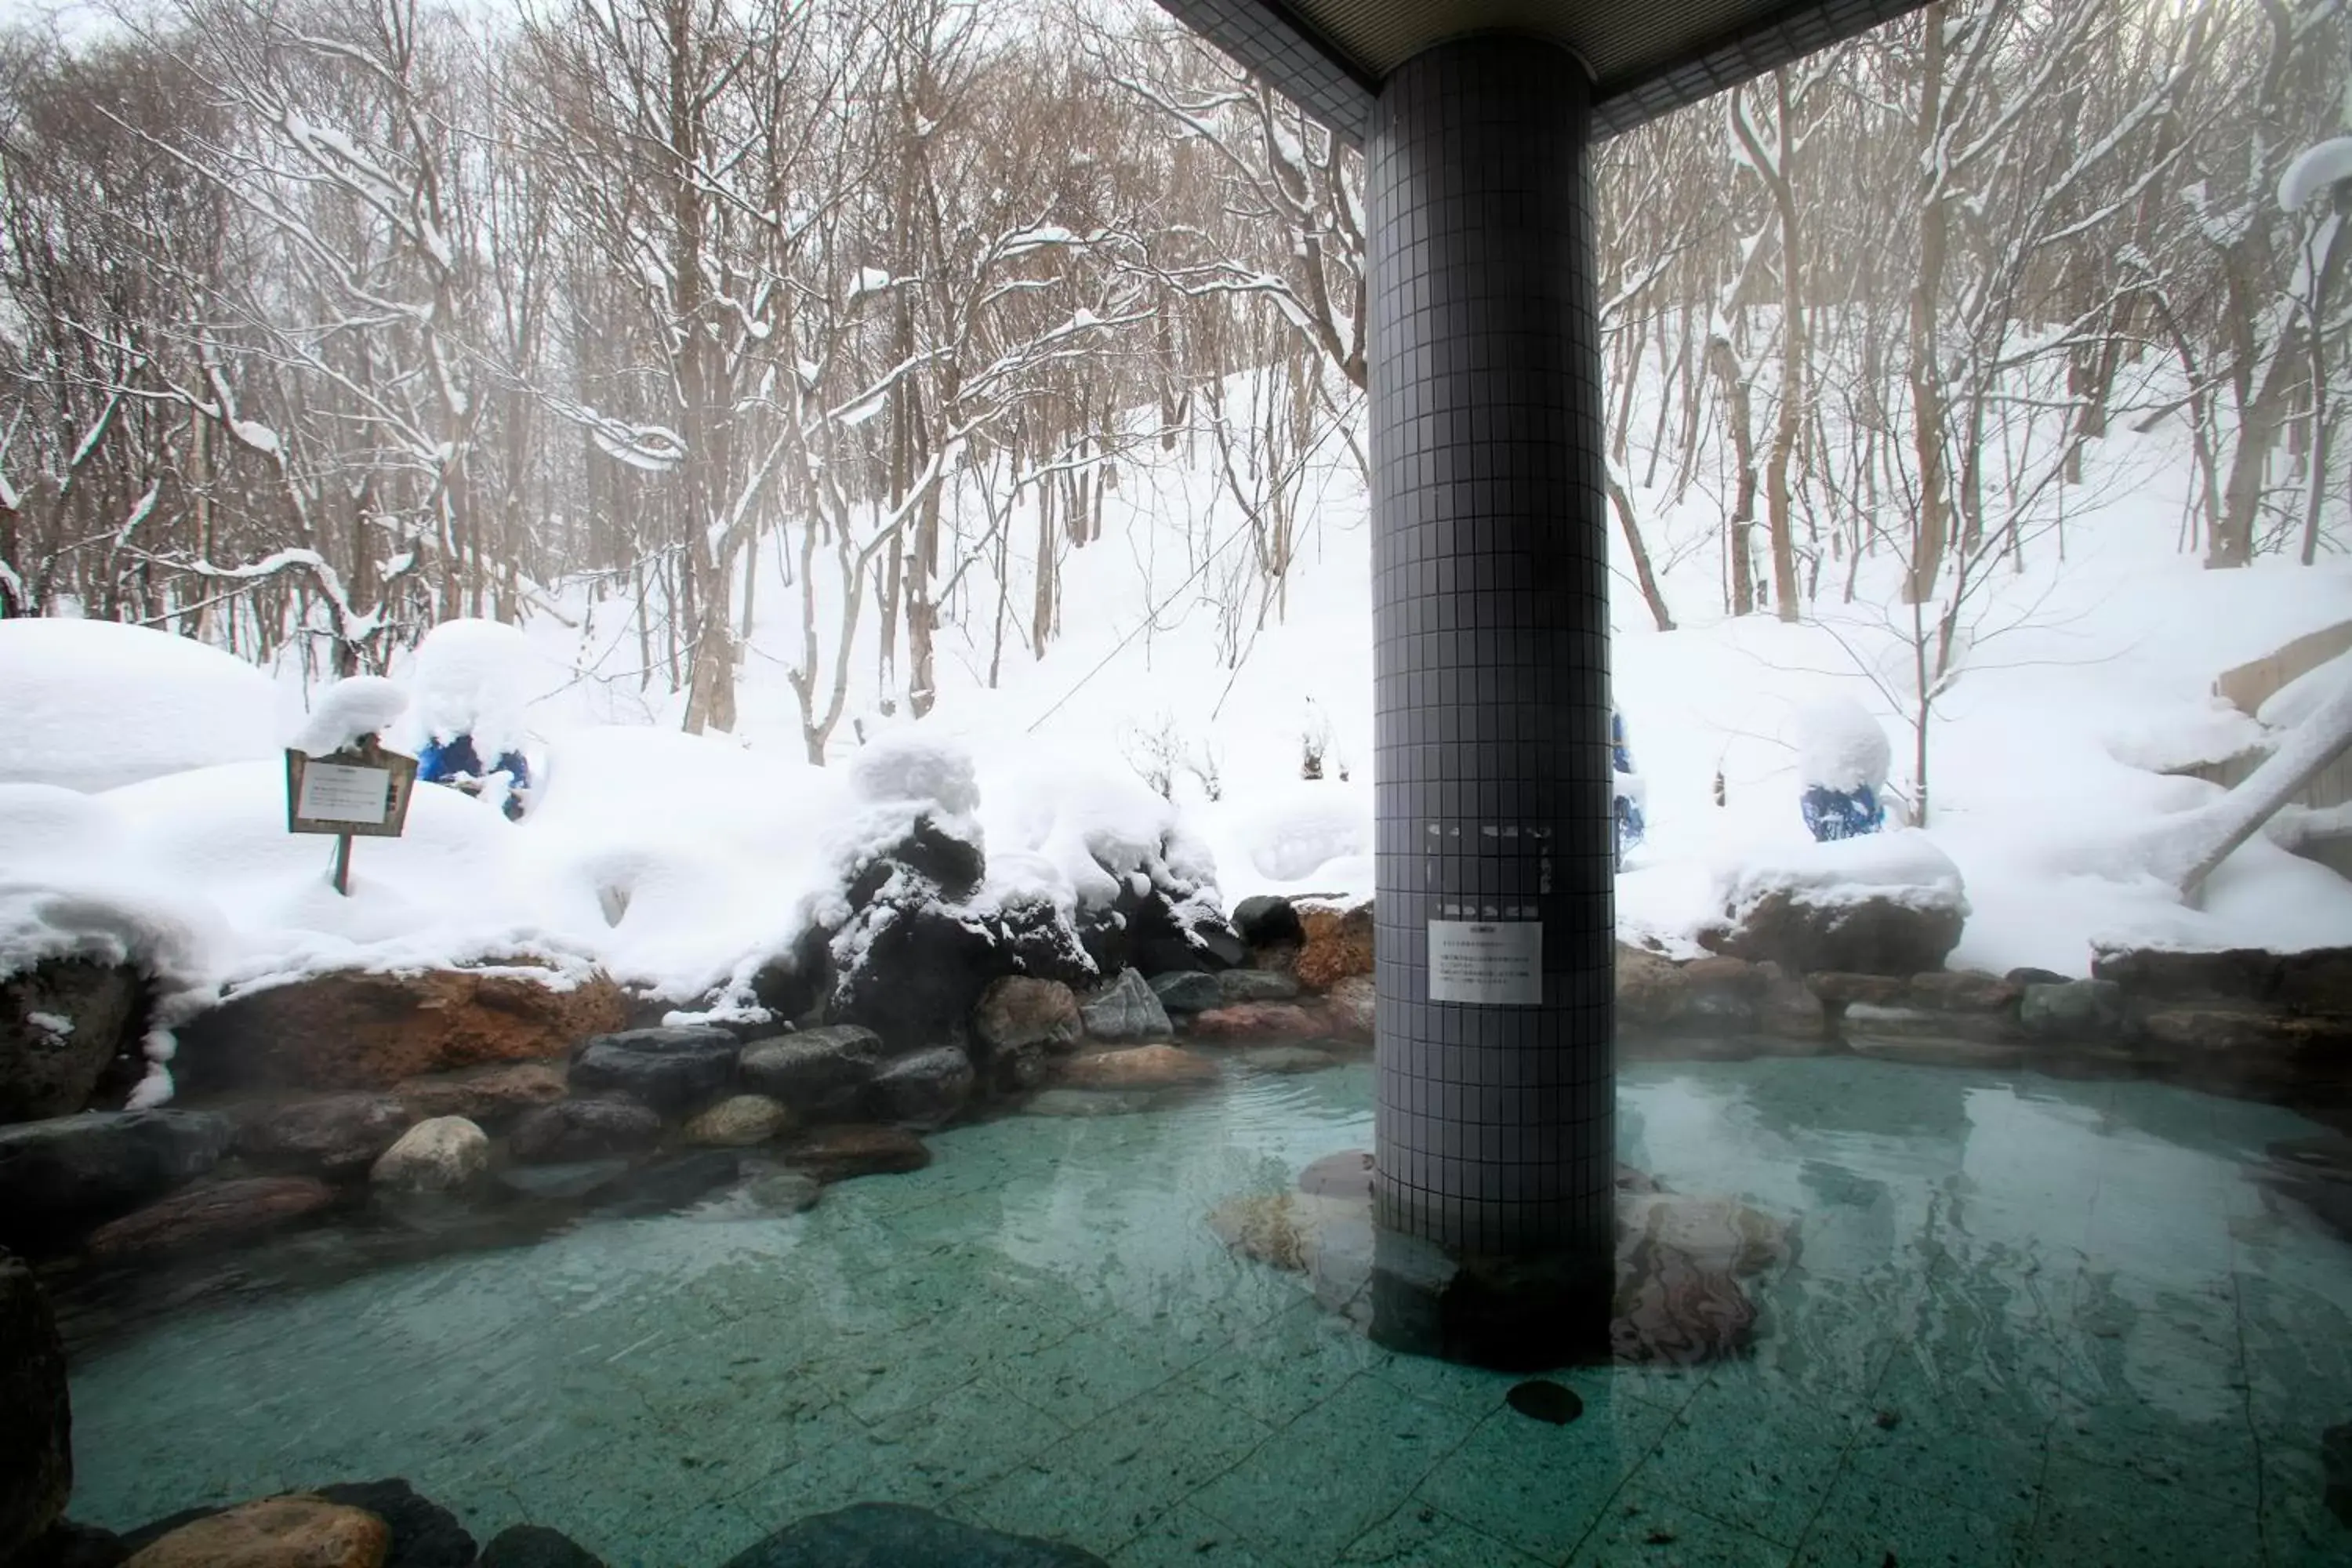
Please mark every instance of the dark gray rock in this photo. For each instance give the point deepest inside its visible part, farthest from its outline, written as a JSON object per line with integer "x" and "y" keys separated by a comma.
{"x": 1255, "y": 985}
{"x": 71, "y": 1545}
{"x": 1126, "y": 1010}
{"x": 2072, "y": 1009}
{"x": 2026, "y": 974}
{"x": 61, "y": 1023}
{"x": 894, "y": 1535}
{"x": 424, "y": 1533}
{"x": 1267, "y": 921}
{"x": 668, "y": 1186}
{"x": 1187, "y": 991}
{"x": 59, "y": 1178}
{"x": 821, "y": 1073}
{"x": 582, "y": 1130}
{"x": 334, "y": 1134}
{"x": 2336, "y": 1463}
{"x": 925, "y": 1088}
{"x": 845, "y": 1153}
{"x": 536, "y": 1546}
{"x": 565, "y": 1182}
{"x": 779, "y": 1190}
{"x": 35, "y": 1417}
{"x": 674, "y": 1071}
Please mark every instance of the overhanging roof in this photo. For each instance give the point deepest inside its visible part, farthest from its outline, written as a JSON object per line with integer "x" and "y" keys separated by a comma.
{"x": 1647, "y": 56}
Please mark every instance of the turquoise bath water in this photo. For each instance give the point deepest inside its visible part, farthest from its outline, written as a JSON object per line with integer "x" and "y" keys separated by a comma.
{"x": 2029, "y": 1321}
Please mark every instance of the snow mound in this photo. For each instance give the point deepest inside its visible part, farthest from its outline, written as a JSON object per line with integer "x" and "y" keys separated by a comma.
{"x": 1289, "y": 833}
{"x": 2306, "y": 694}
{"x": 2173, "y": 739}
{"x": 2312, "y": 171}
{"x": 1902, "y": 866}
{"x": 93, "y": 705}
{"x": 468, "y": 679}
{"x": 350, "y": 709}
{"x": 916, "y": 766}
{"x": 1840, "y": 746}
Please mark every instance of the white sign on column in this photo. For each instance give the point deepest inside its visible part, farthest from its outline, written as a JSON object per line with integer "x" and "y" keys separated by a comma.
{"x": 1493, "y": 962}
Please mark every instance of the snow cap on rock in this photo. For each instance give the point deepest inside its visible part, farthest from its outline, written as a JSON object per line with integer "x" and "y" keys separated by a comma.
{"x": 1902, "y": 866}
{"x": 468, "y": 681}
{"x": 1840, "y": 746}
{"x": 910, "y": 765}
{"x": 94, "y": 705}
{"x": 360, "y": 705}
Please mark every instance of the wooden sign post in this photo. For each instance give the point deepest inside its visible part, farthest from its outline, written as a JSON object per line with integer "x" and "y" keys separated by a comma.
{"x": 360, "y": 792}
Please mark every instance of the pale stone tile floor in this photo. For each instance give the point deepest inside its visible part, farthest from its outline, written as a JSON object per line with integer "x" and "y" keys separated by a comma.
{"x": 2031, "y": 1322}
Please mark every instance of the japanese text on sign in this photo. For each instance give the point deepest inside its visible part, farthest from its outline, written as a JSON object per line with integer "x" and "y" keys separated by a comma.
{"x": 331, "y": 793}
{"x": 1495, "y": 962}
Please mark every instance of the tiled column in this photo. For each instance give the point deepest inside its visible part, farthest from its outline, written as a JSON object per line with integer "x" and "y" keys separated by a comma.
{"x": 1495, "y": 1134}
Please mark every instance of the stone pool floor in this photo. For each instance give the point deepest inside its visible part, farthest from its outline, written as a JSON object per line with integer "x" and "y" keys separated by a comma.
{"x": 2031, "y": 1321}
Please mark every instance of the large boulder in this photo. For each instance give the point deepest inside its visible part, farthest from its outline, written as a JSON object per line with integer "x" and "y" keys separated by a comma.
{"x": 675, "y": 1071}
{"x": 822, "y": 1074}
{"x": 1351, "y": 1009}
{"x": 1018, "y": 1012}
{"x": 896, "y": 1535}
{"x": 210, "y": 1213}
{"x": 338, "y": 1134}
{"x": 536, "y": 1546}
{"x": 59, "y": 1178}
{"x": 1139, "y": 1067}
{"x": 1254, "y": 1021}
{"x": 924, "y": 1088}
{"x": 424, "y": 1533}
{"x": 1125, "y": 1010}
{"x": 739, "y": 1121}
{"x": 841, "y": 1153}
{"x": 1257, "y": 986}
{"x": 1267, "y": 921}
{"x": 484, "y": 1095}
{"x": 1888, "y": 904}
{"x": 1337, "y": 942}
{"x": 35, "y": 1417}
{"x": 580, "y": 1130}
{"x": 2071, "y": 1010}
{"x": 445, "y": 1155}
{"x": 1187, "y": 991}
{"x": 62, "y": 1022}
{"x": 300, "y": 1531}
{"x": 356, "y": 1030}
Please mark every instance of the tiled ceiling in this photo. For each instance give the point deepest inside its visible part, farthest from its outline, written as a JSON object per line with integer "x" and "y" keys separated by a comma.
{"x": 1647, "y": 56}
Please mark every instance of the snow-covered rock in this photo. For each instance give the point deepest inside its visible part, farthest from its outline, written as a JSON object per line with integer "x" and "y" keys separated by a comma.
{"x": 1886, "y": 903}
{"x": 92, "y": 705}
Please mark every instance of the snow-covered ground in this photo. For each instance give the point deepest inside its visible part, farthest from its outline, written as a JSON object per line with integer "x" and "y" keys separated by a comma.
{"x": 672, "y": 860}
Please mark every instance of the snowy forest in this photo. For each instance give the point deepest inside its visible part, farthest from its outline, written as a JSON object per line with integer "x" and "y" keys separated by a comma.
{"x": 329, "y": 319}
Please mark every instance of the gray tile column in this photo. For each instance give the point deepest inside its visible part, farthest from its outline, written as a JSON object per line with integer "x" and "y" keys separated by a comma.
{"x": 1495, "y": 1134}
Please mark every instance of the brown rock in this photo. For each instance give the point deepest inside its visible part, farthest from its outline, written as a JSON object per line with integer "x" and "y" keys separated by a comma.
{"x": 739, "y": 1123}
{"x": 1250, "y": 1021}
{"x": 1879, "y": 935}
{"x": 1351, "y": 1009}
{"x": 1836, "y": 987}
{"x": 355, "y": 1030}
{"x": 1019, "y": 1011}
{"x": 299, "y": 1531}
{"x": 1790, "y": 1012}
{"x": 61, "y": 1023}
{"x": 1964, "y": 991}
{"x": 35, "y": 1420}
{"x": 1139, "y": 1067}
{"x": 1652, "y": 991}
{"x": 1734, "y": 975}
{"x": 210, "y": 1215}
{"x": 1339, "y": 943}
{"x": 335, "y": 1134}
{"x": 485, "y": 1094}
{"x": 840, "y": 1153}
{"x": 1864, "y": 1019}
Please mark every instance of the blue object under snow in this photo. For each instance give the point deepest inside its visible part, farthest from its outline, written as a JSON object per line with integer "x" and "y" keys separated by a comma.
{"x": 456, "y": 763}
{"x": 1842, "y": 813}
